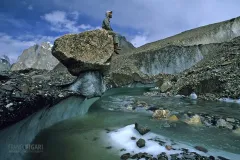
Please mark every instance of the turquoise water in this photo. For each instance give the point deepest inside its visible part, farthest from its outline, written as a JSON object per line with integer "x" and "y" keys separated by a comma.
{"x": 73, "y": 131}
{"x": 84, "y": 138}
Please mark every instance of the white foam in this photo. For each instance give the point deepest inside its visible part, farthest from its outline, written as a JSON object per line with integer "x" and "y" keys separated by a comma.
{"x": 121, "y": 138}
{"x": 230, "y": 100}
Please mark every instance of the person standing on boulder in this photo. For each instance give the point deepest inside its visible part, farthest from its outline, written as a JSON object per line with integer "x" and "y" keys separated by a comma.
{"x": 106, "y": 25}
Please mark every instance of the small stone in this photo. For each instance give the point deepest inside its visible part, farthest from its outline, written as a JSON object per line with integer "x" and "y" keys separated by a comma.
{"x": 237, "y": 131}
{"x": 201, "y": 149}
{"x": 141, "y": 104}
{"x": 168, "y": 147}
{"x": 141, "y": 143}
{"x": 61, "y": 95}
{"x": 174, "y": 157}
{"x": 123, "y": 149}
{"x": 129, "y": 107}
{"x": 133, "y": 138}
{"x": 125, "y": 156}
{"x": 166, "y": 86}
{"x": 162, "y": 156}
{"x": 211, "y": 158}
{"x": 230, "y": 120}
{"x": 109, "y": 147}
{"x": 224, "y": 124}
{"x": 222, "y": 158}
{"x": 9, "y": 105}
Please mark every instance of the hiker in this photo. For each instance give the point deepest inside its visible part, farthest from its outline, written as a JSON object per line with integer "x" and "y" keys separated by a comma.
{"x": 106, "y": 26}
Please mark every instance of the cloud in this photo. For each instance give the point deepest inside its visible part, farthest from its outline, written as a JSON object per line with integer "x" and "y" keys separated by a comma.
{"x": 30, "y": 7}
{"x": 65, "y": 22}
{"x": 139, "y": 40}
{"x": 159, "y": 18}
{"x": 14, "y": 46}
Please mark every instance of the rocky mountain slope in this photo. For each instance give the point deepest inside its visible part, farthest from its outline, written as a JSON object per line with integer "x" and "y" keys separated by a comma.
{"x": 4, "y": 63}
{"x": 212, "y": 33}
{"x": 216, "y": 76}
{"x": 25, "y": 92}
{"x": 172, "y": 55}
{"x": 37, "y": 57}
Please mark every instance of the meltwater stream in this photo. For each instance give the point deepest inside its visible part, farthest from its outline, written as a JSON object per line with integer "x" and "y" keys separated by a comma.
{"x": 72, "y": 131}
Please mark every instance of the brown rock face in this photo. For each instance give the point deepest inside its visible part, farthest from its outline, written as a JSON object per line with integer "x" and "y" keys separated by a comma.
{"x": 86, "y": 51}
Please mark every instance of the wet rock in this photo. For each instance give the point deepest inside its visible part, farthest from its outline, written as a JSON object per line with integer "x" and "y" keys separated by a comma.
{"x": 168, "y": 147}
{"x": 141, "y": 104}
{"x": 195, "y": 120}
{"x": 166, "y": 86}
{"x": 142, "y": 130}
{"x": 129, "y": 107}
{"x": 185, "y": 150}
{"x": 230, "y": 120}
{"x": 166, "y": 125}
{"x": 211, "y": 158}
{"x": 202, "y": 149}
{"x": 109, "y": 147}
{"x": 152, "y": 108}
{"x": 224, "y": 124}
{"x": 173, "y": 118}
{"x": 222, "y": 158}
{"x": 160, "y": 114}
{"x": 237, "y": 131}
{"x": 162, "y": 156}
{"x": 125, "y": 156}
{"x": 141, "y": 143}
{"x": 151, "y": 94}
{"x": 123, "y": 149}
{"x": 174, "y": 157}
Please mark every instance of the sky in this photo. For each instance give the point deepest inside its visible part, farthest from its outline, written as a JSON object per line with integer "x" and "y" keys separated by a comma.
{"x": 24, "y": 23}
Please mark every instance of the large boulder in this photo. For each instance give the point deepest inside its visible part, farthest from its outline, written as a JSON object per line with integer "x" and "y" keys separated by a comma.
{"x": 88, "y": 51}
{"x": 85, "y": 51}
{"x": 36, "y": 57}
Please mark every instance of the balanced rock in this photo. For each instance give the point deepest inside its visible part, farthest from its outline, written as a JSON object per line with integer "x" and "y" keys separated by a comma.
{"x": 85, "y": 51}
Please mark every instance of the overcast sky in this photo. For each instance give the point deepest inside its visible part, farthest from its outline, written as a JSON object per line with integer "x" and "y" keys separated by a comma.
{"x": 24, "y": 23}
